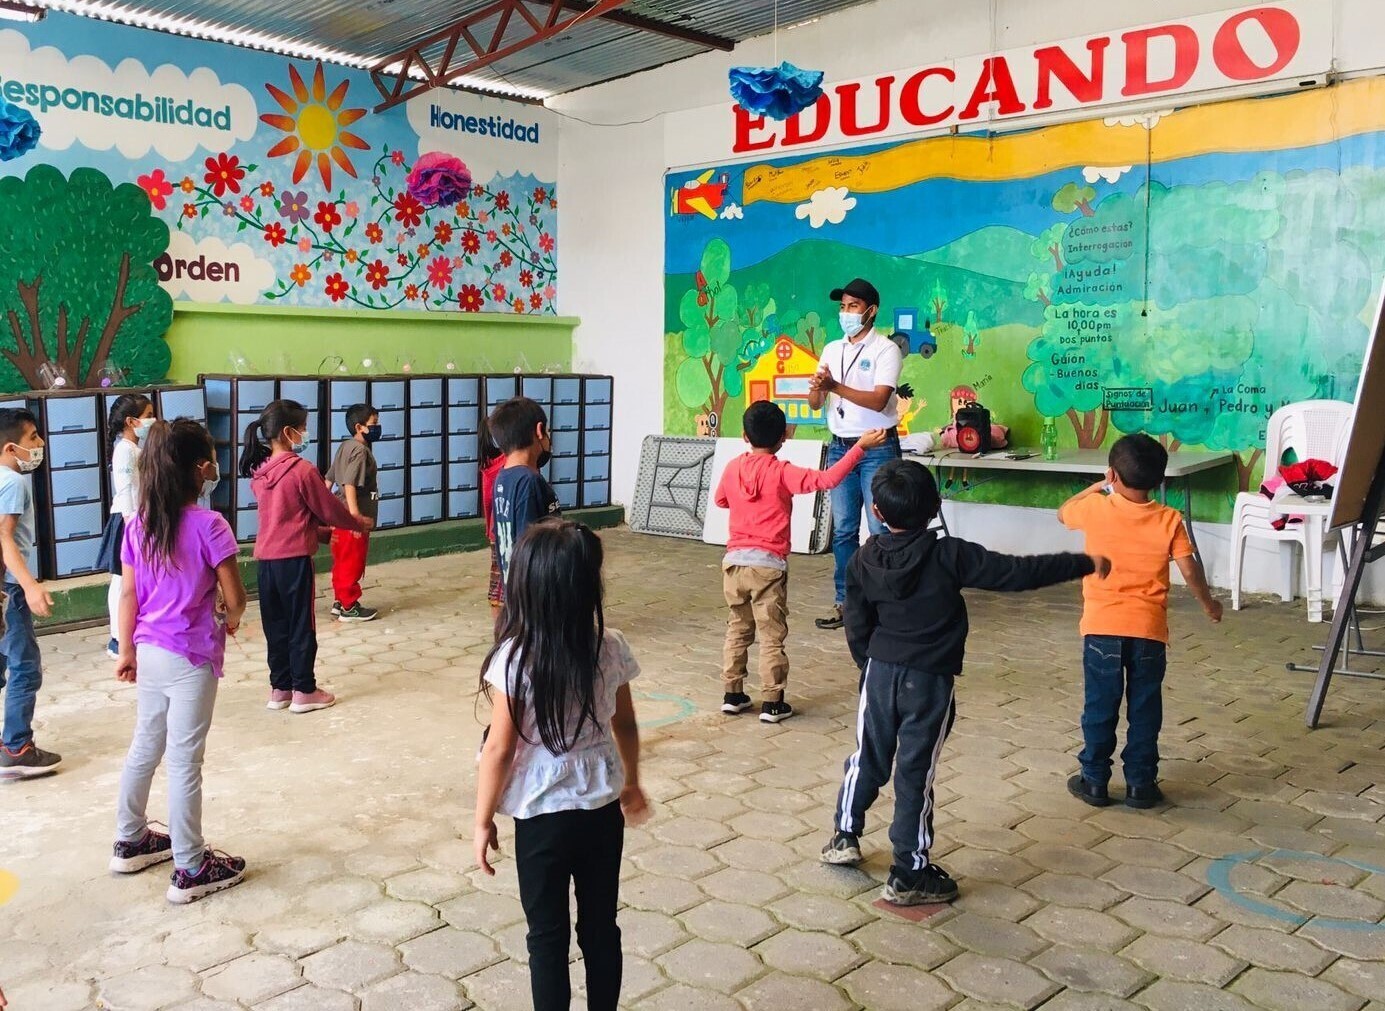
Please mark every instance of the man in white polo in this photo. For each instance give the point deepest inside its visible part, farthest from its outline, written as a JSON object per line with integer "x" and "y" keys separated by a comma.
{"x": 856, "y": 380}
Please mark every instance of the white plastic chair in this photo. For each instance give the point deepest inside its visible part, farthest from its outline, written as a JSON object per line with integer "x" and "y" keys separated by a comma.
{"x": 1314, "y": 430}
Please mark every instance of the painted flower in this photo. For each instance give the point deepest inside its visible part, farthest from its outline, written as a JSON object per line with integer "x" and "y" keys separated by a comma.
{"x": 483, "y": 217}
{"x": 526, "y": 278}
{"x": 534, "y": 220}
{"x": 440, "y": 272}
{"x": 327, "y": 215}
{"x": 464, "y": 209}
{"x": 294, "y": 206}
{"x": 411, "y": 292}
{"x": 458, "y": 262}
{"x": 505, "y": 230}
{"x": 478, "y": 190}
{"x": 228, "y": 210}
{"x": 422, "y": 250}
{"x": 470, "y": 298}
{"x": 443, "y": 233}
{"x": 224, "y": 174}
{"x": 502, "y": 201}
{"x": 274, "y": 234}
{"x": 536, "y": 301}
{"x": 550, "y": 293}
{"x": 327, "y": 256}
{"x": 471, "y": 242}
{"x": 373, "y": 233}
{"x": 402, "y": 260}
{"x": 189, "y": 210}
{"x": 553, "y": 204}
{"x": 506, "y": 259}
{"x": 546, "y": 242}
{"x": 492, "y": 236}
{"x": 157, "y": 187}
{"x": 300, "y": 274}
{"x": 498, "y": 293}
{"x": 375, "y": 180}
{"x": 377, "y": 274}
{"x": 305, "y": 244}
{"x": 540, "y": 195}
{"x": 247, "y": 203}
{"x": 407, "y": 210}
{"x": 266, "y": 189}
{"x": 352, "y": 256}
{"x": 352, "y": 208}
{"x": 397, "y": 157}
{"x": 336, "y": 288}
{"x": 187, "y": 185}
{"x": 519, "y": 305}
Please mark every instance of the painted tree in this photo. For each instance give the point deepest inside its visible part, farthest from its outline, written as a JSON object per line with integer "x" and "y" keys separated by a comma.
{"x": 77, "y": 282}
{"x": 939, "y": 300}
{"x": 1037, "y": 288}
{"x": 1048, "y": 246}
{"x": 809, "y": 332}
{"x": 712, "y": 337}
{"x": 755, "y": 304}
{"x": 973, "y": 333}
{"x": 1075, "y": 197}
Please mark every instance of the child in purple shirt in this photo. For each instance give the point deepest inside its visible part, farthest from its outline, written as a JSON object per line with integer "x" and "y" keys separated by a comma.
{"x": 178, "y": 559}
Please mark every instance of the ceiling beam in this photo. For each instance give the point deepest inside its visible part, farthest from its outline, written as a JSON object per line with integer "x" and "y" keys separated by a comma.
{"x": 656, "y": 27}
{"x": 395, "y": 76}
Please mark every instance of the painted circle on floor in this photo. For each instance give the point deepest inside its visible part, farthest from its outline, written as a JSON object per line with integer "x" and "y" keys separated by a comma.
{"x": 1221, "y": 877}
{"x": 659, "y": 709}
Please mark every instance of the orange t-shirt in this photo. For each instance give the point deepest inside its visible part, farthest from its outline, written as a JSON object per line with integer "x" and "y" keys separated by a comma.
{"x": 1140, "y": 539}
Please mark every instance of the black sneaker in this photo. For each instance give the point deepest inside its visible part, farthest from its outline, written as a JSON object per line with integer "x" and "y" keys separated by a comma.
{"x": 336, "y": 608}
{"x": 733, "y": 703}
{"x": 835, "y": 621}
{"x": 842, "y": 849}
{"x": 218, "y": 872}
{"x": 113, "y": 649}
{"x": 775, "y": 712}
{"x": 29, "y": 761}
{"x": 1088, "y": 792}
{"x": 1145, "y": 796}
{"x": 357, "y": 613}
{"x": 932, "y": 884}
{"x": 129, "y": 857}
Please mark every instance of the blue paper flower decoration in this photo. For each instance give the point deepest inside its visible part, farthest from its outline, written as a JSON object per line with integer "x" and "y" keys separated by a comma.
{"x": 19, "y": 131}
{"x": 777, "y": 92}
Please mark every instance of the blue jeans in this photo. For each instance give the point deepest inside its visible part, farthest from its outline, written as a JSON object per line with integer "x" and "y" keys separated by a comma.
{"x": 19, "y": 657}
{"x": 847, "y": 500}
{"x": 1113, "y": 666}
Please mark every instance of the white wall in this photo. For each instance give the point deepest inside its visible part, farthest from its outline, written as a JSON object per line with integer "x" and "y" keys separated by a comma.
{"x": 611, "y": 176}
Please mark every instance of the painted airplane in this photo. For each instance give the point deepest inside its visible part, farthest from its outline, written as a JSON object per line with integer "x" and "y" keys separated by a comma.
{"x": 700, "y": 195}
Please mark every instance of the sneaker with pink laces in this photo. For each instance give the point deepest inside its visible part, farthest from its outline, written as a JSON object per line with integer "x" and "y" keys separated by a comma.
{"x": 278, "y": 699}
{"x": 303, "y": 702}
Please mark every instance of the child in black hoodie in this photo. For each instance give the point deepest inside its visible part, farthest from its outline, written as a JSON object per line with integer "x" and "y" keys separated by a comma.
{"x": 906, "y": 626}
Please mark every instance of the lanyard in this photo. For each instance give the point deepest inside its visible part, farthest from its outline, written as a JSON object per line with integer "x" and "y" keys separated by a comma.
{"x": 846, "y": 371}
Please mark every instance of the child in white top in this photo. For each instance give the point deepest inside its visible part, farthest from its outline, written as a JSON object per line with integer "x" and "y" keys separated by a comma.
{"x": 561, "y": 757}
{"x": 131, "y": 416}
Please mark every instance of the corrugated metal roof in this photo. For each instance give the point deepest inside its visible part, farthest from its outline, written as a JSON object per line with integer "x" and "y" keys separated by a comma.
{"x": 363, "y": 31}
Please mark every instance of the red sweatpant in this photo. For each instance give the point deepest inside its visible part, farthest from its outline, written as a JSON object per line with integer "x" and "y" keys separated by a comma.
{"x": 349, "y": 549}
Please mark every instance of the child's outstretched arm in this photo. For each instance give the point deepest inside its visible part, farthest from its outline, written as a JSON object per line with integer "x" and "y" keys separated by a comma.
{"x": 801, "y": 480}
{"x": 624, "y": 728}
{"x": 1064, "y": 514}
{"x": 326, "y": 508}
{"x": 497, "y": 757}
{"x": 989, "y": 570}
{"x": 1196, "y": 579}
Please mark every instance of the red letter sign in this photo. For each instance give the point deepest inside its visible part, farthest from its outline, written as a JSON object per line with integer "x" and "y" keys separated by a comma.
{"x": 745, "y": 122}
{"x": 995, "y": 85}
{"x": 1054, "y": 62}
{"x": 1233, "y": 60}
{"x": 1185, "y": 51}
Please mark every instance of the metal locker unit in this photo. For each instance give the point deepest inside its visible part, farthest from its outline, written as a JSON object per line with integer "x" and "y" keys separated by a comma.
{"x": 69, "y": 489}
{"x": 233, "y": 402}
{"x": 174, "y": 402}
{"x": 427, "y": 421}
{"x": 565, "y": 423}
{"x": 389, "y": 395}
{"x": 596, "y": 440}
{"x": 463, "y": 447}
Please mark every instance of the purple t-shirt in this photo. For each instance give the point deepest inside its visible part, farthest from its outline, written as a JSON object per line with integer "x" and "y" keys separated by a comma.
{"x": 177, "y": 600}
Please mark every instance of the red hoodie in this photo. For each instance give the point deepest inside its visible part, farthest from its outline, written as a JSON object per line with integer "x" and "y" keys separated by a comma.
{"x": 759, "y": 488}
{"x": 489, "y": 473}
{"x": 293, "y": 503}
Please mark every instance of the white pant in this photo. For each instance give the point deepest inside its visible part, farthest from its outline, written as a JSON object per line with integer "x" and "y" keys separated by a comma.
{"x": 173, "y": 713}
{"x": 113, "y": 605}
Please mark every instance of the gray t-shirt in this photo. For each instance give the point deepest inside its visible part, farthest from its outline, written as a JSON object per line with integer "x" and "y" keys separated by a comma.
{"x": 17, "y": 499}
{"x": 355, "y": 465}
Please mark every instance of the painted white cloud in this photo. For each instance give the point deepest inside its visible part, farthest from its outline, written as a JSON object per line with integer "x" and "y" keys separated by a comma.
{"x": 82, "y": 100}
{"x": 211, "y": 271}
{"x": 733, "y": 212}
{"x": 1146, "y": 119}
{"x": 827, "y": 206}
{"x": 493, "y": 136}
{"x": 1109, "y": 173}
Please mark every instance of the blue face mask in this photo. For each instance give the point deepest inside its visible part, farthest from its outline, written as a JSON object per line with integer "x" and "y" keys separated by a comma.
{"x": 300, "y": 447}
{"x": 852, "y": 323}
{"x": 373, "y": 433}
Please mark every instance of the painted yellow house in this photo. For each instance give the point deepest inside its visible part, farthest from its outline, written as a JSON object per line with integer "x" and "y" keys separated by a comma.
{"x": 781, "y": 376}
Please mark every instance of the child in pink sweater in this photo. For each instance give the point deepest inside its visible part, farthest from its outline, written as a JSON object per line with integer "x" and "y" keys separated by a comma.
{"x": 758, "y": 488}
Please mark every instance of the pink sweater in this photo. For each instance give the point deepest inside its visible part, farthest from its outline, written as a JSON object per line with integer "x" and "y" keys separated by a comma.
{"x": 293, "y": 503}
{"x": 759, "y": 488}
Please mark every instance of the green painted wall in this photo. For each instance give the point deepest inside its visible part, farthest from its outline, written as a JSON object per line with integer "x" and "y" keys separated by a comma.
{"x": 293, "y": 341}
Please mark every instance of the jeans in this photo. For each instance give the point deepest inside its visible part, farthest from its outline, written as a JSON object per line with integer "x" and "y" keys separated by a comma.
{"x": 847, "y": 500}
{"x": 174, "y": 700}
{"x": 578, "y": 849}
{"x": 19, "y": 653}
{"x": 1114, "y": 666}
{"x": 287, "y": 592}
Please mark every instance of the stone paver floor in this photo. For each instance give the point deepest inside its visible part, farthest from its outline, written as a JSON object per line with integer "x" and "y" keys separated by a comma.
{"x": 1261, "y": 884}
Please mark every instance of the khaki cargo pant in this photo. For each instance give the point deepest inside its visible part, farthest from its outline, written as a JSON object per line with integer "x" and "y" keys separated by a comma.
{"x": 759, "y": 603}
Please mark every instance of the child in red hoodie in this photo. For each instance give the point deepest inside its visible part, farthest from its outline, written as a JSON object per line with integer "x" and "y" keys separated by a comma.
{"x": 758, "y": 488}
{"x": 294, "y": 504}
{"x": 492, "y": 463}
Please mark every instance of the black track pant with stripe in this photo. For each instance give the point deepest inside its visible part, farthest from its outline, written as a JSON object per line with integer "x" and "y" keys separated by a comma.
{"x": 903, "y": 719}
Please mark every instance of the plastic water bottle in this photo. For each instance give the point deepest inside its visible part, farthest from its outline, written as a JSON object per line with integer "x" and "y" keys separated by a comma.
{"x": 1049, "y": 440}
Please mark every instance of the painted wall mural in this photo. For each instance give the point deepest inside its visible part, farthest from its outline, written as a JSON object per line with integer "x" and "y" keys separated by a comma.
{"x": 279, "y": 185}
{"x": 1183, "y": 274}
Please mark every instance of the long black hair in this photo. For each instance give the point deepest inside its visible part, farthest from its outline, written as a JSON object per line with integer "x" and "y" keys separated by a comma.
{"x": 553, "y": 625}
{"x": 169, "y": 483}
{"x": 489, "y": 450}
{"x": 279, "y": 415}
{"x": 123, "y": 408}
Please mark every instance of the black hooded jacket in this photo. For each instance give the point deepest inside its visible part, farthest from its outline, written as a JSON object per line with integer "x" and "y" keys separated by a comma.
{"x": 904, "y": 594}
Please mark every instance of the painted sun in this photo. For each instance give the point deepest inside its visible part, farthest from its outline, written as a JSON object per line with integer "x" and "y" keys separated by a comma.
{"x": 316, "y": 126}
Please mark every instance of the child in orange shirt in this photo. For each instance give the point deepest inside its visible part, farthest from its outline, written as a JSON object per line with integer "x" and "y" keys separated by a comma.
{"x": 1125, "y": 622}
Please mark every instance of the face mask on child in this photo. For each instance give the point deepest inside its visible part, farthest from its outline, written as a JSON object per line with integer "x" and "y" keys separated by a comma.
{"x": 33, "y": 463}
{"x": 302, "y": 445}
{"x": 209, "y": 484}
{"x": 142, "y": 427}
{"x": 546, "y": 455}
{"x": 373, "y": 433}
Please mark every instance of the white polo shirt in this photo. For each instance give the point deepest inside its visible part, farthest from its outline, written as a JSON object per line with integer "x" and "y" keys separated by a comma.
{"x": 872, "y": 361}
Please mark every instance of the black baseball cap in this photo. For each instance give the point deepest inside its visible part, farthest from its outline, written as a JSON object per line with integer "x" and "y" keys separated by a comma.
{"x": 858, "y": 288}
